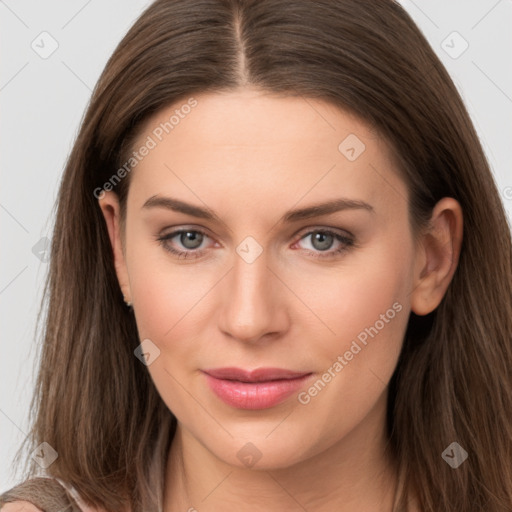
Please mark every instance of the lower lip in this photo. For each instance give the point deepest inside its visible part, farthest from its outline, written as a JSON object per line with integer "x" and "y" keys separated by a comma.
{"x": 254, "y": 395}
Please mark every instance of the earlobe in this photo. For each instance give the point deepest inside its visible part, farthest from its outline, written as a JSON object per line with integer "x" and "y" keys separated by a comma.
{"x": 437, "y": 256}
{"x": 109, "y": 204}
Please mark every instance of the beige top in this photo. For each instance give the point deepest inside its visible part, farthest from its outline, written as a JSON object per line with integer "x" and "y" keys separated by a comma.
{"x": 26, "y": 497}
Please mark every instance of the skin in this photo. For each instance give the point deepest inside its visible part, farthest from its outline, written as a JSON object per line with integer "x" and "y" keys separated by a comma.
{"x": 250, "y": 157}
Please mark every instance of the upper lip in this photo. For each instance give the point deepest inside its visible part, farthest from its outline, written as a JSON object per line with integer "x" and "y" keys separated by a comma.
{"x": 256, "y": 375}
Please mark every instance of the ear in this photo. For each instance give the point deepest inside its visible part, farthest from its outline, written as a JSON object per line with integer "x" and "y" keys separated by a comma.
{"x": 109, "y": 204}
{"x": 437, "y": 256}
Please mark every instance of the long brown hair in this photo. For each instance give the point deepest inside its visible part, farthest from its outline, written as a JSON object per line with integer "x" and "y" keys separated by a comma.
{"x": 95, "y": 403}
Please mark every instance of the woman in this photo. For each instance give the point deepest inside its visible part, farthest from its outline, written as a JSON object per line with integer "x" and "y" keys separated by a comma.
{"x": 316, "y": 271}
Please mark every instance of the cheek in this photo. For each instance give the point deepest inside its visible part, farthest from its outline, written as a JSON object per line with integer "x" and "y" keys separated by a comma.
{"x": 367, "y": 307}
{"x": 169, "y": 300}
{"x": 353, "y": 296}
{"x": 348, "y": 303}
{"x": 166, "y": 300}
{"x": 166, "y": 294}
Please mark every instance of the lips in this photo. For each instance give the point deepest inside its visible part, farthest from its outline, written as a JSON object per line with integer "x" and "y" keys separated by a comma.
{"x": 261, "y": 388}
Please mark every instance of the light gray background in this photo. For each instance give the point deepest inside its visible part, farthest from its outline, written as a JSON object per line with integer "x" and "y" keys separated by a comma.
{"x": 43, "y": 99}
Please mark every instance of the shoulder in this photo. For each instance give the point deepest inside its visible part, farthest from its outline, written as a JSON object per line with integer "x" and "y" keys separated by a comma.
{"x": 19, "y": 506}
{"x": 43, "y": 493}
{"x": 36, "y": 495}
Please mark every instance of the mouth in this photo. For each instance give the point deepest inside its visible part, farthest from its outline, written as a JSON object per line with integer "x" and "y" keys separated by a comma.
{"x": 261, "y": 388}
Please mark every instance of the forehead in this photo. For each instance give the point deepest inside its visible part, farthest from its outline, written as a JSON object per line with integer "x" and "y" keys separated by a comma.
{"x": 255, "y": 146}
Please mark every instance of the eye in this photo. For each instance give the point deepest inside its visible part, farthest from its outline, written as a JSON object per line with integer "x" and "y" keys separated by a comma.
{"x": 187, "y": 243}
{"x": 189, "y": 239}
{"x": 323, "y": 239}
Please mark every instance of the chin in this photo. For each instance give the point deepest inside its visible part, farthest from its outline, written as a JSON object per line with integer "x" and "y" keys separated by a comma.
{"x": 260, "y": 453}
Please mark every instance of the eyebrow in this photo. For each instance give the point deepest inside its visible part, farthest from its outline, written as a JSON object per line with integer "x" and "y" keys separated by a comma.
{"x": 308, "y": 212}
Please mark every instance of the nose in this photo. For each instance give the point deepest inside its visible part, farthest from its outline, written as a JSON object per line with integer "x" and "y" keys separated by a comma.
{"x": 254, "y": 303}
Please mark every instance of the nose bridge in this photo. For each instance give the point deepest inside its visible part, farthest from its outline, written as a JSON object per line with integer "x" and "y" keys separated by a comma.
{"x": 251, "y": 306}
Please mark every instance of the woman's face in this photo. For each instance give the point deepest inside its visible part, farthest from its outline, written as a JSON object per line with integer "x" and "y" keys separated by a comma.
{"x": 265, "y": 280}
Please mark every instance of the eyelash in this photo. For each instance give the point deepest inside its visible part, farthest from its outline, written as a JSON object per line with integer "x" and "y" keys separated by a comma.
{"x": 194, "y": 253}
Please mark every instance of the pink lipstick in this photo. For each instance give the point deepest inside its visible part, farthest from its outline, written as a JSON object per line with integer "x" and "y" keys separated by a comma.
{"x": 261, "y": 388}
